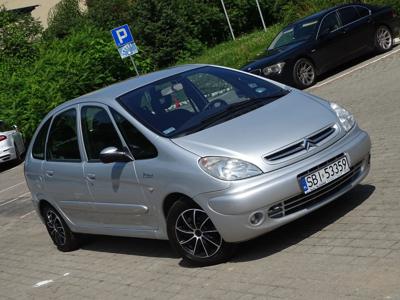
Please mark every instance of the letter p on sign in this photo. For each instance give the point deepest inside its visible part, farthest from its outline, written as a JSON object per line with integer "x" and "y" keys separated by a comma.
{"x": 122, "y": 35}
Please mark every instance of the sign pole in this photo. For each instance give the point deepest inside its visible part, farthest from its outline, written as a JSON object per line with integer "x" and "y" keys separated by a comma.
{"x": 134, "y": 65}
{"x": 227, "y": 18}
{"x": 261, "y": 16}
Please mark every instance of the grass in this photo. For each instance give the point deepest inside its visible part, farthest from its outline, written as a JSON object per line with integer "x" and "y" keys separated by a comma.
{"x": 236, "y": 54}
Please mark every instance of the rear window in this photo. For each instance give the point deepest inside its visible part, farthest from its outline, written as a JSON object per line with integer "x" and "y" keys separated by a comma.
{"x": 38, "y": 148}
{"x": 348, "y": 15}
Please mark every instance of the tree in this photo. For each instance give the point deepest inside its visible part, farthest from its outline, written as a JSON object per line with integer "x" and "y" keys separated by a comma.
{"x": 18, "y": 34}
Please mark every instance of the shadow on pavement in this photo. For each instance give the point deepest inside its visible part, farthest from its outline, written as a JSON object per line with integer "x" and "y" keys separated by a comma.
{"x": 9, "y": 165}
{"x": 301, "y": 229}
{"x": 129, "y": 246}
{"x": 348, "y": 65}
{"x": 263, "y": 246}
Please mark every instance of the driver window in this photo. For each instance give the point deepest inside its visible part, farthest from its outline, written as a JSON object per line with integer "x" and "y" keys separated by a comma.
{"x": 98, "y": 132}
{"x": 213, "y": 87}
{"x": 329, "y": 24}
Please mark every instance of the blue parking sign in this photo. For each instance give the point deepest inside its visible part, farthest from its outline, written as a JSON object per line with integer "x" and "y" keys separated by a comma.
{"x": 122, "y": 35}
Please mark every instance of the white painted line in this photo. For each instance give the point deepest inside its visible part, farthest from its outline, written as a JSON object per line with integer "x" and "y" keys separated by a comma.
{"x": 44, "y": 282}
{"x": 13, "y": 186}
{"x": 15, "y": 199}
{"x": 27, "y": 214}
{"x": 355, "y": 69}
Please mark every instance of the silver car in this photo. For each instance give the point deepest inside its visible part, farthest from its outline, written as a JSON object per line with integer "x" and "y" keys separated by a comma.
{"x": 11, "y": 143}
{"x": 204, "y": 156}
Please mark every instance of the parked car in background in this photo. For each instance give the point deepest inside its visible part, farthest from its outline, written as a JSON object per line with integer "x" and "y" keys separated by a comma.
{"x": 237, "y": 157}
{"x": 11, "y": 143}
{"x": 311, "y": 46}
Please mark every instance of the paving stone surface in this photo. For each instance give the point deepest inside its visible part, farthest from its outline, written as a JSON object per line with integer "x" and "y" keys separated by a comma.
{"x": 349, "y": 249}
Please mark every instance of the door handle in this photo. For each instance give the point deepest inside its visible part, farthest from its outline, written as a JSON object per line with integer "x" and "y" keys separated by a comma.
{"x": 91, "y": 176}
{"x": 50, "y": 173}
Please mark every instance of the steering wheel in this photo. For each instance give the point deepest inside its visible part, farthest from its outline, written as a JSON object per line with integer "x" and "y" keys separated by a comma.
{"x": 217, "y": 103}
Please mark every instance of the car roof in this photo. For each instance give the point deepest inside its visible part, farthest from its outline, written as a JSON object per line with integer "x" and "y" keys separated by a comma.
{"x": 322, "y": 13}
{"x": 115, "y": 90}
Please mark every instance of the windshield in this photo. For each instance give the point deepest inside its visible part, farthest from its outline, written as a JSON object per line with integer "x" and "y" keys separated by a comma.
{"x": 300, "y": 31}
{"x": 177, "y": 105}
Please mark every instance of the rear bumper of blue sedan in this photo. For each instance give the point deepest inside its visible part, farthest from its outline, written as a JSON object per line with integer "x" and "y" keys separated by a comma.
{"x": 276, "y": 198}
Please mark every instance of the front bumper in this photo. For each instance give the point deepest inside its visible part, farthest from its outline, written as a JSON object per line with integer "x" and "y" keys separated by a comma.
{"x": 284, "y": 77}
{"x": 230, "y": 209}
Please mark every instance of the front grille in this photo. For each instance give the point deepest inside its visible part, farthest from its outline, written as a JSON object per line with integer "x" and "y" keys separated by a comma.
{"x": 303, "y": 201}
{"x": 302, "y": 146}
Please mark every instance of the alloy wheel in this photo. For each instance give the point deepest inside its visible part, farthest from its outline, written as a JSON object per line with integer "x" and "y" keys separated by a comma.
{"x": 305, "y": 73}
{"x": 56, "y": 228}
{"x": 384, "y": 38}
{"x": 197, "y": 234}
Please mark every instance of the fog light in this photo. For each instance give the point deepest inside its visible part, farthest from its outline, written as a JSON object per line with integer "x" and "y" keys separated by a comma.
{"x": 256, "y": 218}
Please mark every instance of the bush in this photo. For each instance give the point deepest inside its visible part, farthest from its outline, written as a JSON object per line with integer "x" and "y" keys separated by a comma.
{"x": 84, "y": 61}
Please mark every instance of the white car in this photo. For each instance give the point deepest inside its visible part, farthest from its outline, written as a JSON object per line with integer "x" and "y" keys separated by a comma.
{"x": 11, "y": 143}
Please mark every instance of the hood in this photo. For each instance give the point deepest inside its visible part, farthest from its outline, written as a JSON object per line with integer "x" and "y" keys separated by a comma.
{"x": 262, "y": 131}
{"x": 270, "y": 57}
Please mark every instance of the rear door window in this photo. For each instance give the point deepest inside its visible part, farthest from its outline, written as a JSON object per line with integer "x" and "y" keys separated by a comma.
{"x": 98, "y": 131}
{"x": 362, "y": 11}
{"x": 63, "y": 140}
{"x": 39, "y": 145}
{"x": 348, "y": 15}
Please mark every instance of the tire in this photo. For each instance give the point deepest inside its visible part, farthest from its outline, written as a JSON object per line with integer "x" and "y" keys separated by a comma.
{"x": 304, "y": 74}
{"x": 194, "y": 237}
{"x": 383, "y": 39}
{"x": 59, "y": 232}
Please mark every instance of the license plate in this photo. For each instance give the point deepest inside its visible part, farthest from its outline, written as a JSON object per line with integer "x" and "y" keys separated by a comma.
{"x": 324, "y": 175}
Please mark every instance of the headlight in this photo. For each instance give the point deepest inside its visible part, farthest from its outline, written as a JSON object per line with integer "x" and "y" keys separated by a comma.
{"x": 346, "y": 118}
{"x": 226, "y": 168}
{"x": 274, "y": 69}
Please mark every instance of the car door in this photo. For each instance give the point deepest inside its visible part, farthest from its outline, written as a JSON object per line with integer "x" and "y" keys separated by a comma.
{"x": 63, "y": 170}
{"x": 356, "y": 30}
{"x": 34, "y": 164}
{"x": 116, "y": 193}
{"x": 330, "y": 42}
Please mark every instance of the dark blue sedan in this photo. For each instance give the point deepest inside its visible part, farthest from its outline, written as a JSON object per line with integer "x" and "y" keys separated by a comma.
{"x": 313, "y": 45}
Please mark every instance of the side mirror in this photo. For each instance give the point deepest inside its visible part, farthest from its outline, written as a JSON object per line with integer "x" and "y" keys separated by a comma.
{"x": 112, "y": 154}
{"x": 15, "y": 127}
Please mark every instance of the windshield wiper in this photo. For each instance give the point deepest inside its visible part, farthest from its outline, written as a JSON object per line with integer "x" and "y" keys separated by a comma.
{"x": 232, "y": 111}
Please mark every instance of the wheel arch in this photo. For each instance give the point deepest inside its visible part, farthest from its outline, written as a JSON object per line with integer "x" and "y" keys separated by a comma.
{"x": 42, "y": 205}
{"x": 383, "y": 23}
{"x": 171, "y": 198}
